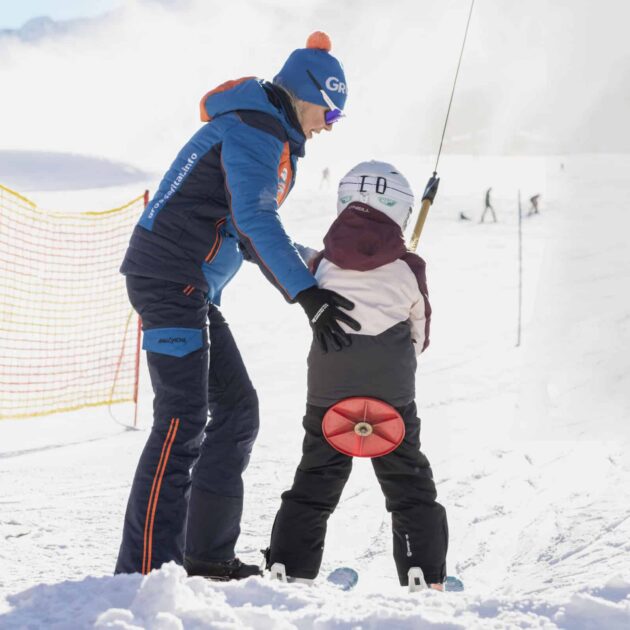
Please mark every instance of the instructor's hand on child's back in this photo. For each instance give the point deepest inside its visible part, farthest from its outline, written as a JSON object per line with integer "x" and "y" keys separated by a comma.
{"x": 322, "y": 308}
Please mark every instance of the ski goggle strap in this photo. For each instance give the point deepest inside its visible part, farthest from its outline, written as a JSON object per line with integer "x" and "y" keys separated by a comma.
{"x": 333, "y": 114}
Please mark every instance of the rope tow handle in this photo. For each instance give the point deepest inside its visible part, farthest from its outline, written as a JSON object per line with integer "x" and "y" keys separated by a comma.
{"x": 431, "y": 188}
{"x": 427, "y": 199}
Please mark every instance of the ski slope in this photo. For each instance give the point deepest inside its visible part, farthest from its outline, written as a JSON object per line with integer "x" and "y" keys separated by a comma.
{"x": 529, "y": 445}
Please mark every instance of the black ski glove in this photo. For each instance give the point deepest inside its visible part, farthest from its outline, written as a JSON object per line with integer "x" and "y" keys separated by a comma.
{"x": 322, "y": 308}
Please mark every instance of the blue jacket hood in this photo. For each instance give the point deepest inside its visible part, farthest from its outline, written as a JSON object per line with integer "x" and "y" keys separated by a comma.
{"x": 250, "y": 93}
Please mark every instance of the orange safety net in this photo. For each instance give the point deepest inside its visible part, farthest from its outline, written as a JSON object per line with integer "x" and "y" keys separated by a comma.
{"x": 68, "y": 335}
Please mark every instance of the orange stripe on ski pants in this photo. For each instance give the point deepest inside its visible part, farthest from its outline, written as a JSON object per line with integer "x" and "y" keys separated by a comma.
{"x": 155, "y": 493}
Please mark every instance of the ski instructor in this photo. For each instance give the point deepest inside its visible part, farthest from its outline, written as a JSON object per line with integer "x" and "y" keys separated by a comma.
{"x": 217, "y": 204}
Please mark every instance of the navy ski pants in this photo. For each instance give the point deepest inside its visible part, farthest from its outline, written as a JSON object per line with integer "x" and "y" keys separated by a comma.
{"x": 419, "y": 525}
{"x": 187, "y": 494}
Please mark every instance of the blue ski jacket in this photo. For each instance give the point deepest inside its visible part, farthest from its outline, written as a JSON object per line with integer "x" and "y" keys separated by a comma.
{"x": 219, "y": 199}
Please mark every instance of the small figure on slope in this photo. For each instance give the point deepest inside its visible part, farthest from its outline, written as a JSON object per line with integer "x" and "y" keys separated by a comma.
{"x": 488, "y": 206}
{"x": 533, "y": 208}
{"x": 325, "y": 180}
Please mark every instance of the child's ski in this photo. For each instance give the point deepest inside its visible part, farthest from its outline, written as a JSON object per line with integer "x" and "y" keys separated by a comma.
{"x": 453, "y": 584}
{"x": 343, "y": 577}
{"x": 346, "y": 579}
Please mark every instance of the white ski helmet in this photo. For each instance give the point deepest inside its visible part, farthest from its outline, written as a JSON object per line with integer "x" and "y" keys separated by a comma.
{"x": 379, "y": 185}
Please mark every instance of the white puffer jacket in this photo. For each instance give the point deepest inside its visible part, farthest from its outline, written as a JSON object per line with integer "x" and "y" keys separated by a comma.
{"x": 366, "y": 261}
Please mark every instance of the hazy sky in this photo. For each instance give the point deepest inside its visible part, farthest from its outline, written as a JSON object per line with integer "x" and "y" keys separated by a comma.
{"x": 14, "y": 13}
{"x": 542, "y": 76}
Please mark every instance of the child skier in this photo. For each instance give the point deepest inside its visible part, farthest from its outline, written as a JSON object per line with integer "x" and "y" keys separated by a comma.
{"x": 366, "y": 260}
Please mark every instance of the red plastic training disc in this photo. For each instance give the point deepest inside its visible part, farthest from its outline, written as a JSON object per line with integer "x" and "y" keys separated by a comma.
{"x": 363, "y": 427}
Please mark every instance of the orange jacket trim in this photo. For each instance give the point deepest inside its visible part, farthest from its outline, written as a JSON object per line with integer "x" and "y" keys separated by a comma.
{"x": 228, "y": 85}
{"x": 153, "y": 497}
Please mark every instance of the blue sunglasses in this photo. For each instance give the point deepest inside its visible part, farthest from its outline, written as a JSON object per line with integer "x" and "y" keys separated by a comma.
{"x": 333, "y": 113}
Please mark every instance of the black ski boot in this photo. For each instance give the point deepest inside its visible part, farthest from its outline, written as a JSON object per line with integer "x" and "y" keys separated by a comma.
{"x": 221, "y": 571}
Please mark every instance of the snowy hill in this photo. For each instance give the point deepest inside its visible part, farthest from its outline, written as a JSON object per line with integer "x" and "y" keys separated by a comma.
{"x": 529, "y": 445}
{"x": 47, "y": 170}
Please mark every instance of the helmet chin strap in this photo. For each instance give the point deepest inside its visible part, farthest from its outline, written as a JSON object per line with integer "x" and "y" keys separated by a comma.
{"x": 406, "y": 221}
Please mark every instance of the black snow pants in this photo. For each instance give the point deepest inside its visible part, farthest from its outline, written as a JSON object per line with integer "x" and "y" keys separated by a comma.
{"x": 196, "y": 369}
{"x": 418, "y": 522}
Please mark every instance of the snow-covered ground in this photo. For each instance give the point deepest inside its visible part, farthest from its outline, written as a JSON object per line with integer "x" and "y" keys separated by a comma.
{"x": 529, "y": 445}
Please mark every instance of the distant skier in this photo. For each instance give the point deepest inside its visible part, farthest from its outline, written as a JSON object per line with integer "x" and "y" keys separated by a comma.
{"x": 488, "y": 206}
{"x": 325, "y": 180}
{"x": 366, "y": 258}
{"x": 533, "y": 208}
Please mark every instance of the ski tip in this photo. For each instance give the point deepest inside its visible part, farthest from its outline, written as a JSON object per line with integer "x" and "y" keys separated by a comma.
{"x": 453, "y": 584}
{"x": 343, "y": 577}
